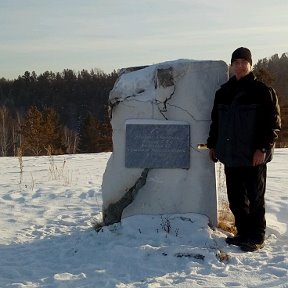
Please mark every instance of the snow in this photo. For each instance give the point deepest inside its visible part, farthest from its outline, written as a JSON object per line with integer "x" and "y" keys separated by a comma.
{"x": 47, "y": 238}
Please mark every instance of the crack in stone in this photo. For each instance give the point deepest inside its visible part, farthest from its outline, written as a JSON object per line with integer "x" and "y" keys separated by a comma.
{"x": 193, "y": 117}
{"x": 113, "y": 213}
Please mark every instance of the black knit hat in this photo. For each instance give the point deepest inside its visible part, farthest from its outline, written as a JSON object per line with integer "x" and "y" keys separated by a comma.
{"x": 242, "y": 53}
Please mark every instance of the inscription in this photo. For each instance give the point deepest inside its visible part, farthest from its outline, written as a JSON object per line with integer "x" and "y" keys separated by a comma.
{"x": 157, "y": 146}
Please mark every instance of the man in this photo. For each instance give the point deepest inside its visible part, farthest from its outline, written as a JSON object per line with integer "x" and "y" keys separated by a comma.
{"x": 245, "y": 121}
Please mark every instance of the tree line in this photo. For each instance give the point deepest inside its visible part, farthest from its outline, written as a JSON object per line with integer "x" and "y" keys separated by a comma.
{"x": 57, "y": 112}
{"x": 67, "y": 112}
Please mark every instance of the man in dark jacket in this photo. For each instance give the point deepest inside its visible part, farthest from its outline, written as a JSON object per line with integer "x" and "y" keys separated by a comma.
{"x": 245, "y": 121}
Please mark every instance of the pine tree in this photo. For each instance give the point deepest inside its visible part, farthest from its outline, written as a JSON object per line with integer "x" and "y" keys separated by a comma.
{"x": 41, "y": 132}
{"x": 106, "y": 128}
{"x": 31, "y": 131}
{"x": 89, "y": 134}
{"x": 95, "y": 136}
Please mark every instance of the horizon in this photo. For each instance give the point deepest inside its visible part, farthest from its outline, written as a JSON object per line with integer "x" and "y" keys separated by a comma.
{"x": 89, "y": 70}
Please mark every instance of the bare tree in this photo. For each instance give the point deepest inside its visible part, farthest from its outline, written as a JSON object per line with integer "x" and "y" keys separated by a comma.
{"x": 5, "y": 125}
{"x": 70, "y": 139}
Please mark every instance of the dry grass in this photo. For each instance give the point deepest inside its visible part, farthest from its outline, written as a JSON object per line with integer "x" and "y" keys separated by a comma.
{"x": 223, "y": 256}
{"x": 226, "y": 220}
{"x": 20, "y": 159}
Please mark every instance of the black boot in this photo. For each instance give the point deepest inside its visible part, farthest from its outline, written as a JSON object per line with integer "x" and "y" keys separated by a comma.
{"x": 237, "y": 240}
{"x": 252, "y": 244}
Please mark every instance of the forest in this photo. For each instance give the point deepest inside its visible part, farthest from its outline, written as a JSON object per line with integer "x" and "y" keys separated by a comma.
{"x": 67, "y": 112}
{"x": 55, "y": 113}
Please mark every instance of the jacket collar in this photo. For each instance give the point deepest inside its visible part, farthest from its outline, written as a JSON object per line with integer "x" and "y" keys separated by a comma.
{"x": 243, "y": 81}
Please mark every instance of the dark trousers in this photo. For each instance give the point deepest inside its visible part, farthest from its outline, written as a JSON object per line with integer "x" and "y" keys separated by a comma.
{"x": 246, "y": 189}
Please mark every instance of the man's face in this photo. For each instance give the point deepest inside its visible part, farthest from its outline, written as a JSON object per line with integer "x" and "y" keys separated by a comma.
{"x": 241, "y": 68}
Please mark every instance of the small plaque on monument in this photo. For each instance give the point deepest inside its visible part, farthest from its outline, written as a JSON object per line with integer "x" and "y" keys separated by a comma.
{"x": 157, "y": 144}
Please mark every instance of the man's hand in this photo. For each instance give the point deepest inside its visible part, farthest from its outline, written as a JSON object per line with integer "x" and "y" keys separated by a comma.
{"x": 258, "y": 157}
{"x": 212, "y": 155}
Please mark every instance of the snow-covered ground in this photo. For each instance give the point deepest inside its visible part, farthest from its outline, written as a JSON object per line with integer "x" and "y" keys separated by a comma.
{"x": 47, "y": 240}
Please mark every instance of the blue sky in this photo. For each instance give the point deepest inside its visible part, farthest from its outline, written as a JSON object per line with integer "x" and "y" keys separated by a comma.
{"x": 53, "y": 35}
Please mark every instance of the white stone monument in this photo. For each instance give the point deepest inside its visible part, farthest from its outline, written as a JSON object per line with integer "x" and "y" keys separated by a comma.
{"x": 172, "y": 93}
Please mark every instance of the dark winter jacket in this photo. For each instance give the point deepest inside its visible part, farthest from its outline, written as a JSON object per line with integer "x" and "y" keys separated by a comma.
{"x": 245, "y": 117}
